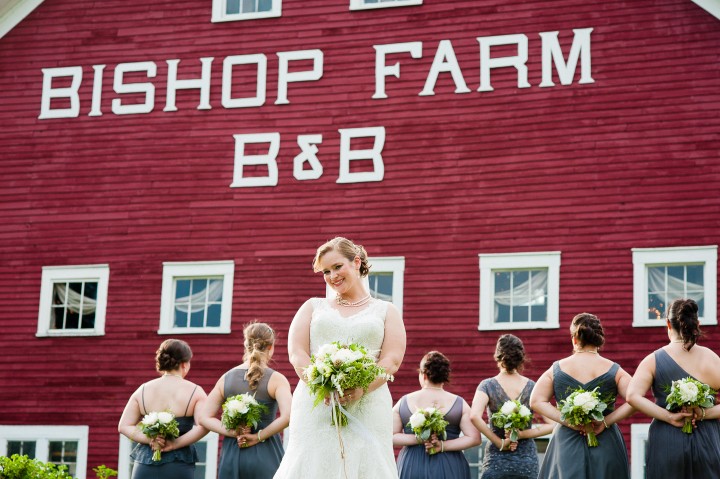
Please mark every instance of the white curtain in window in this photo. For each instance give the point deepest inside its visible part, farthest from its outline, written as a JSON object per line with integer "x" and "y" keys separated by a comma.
{"x": 521, "y": 294}
{"x": 75, "y": 299}
{"x": 196, "y": 302}
{"x": 656, "y": 282}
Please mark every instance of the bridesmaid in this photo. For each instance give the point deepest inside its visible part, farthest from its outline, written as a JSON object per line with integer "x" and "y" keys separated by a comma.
{"x": 568, "y": 454}
{"x": 171, "y": 391}
{"x": 414, "y": 462}
{"x": 671, "y": 452}
{"x": 254, "y": 454}
{"x": 504, "y": 459}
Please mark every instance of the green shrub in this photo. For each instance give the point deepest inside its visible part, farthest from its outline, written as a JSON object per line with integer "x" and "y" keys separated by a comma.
{"x": 103, "y": 472}
{"x": 22, "y": 467}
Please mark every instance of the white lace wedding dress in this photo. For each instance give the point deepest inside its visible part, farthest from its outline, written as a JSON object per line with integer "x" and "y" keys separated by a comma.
{"x": 314, "y": 448}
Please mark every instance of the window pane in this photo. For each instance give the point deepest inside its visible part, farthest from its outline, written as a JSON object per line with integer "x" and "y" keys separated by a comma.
{"x": 197, "y": 319}
{"x": 201, "y": 448}
{"x": 199, "y": 471}
{"x": 264, "y": 5}
{"x": 381, "y": 285}
{"x": 502, "y": 282}
{"x": 520, "y": 277}
{"x": 198, "y": 285}
{"x": 502, "y": 313}
{"x": 520, "y": 314}
{"x": 676, "y": 272}
{"x": 538, "y": 312}
{"x": 182, "y": 290}
{"x": 216, "y": 290}
{"x": 213, "y": 315}
{"x": 181, "y": 318}
{"x": 656, "y": 306}
{"x": 248, "y": 6}
{"x": 695, "y": 276}
{"x": 22, "y": 448}
{"x": 233, "y": 6}
{"x": 701, "y": 308}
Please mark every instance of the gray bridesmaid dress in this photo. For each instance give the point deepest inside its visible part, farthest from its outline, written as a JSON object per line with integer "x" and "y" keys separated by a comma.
{"x": 669, "y": 451}
{"x": 259, "y": 461}
{"x": 568, "y": 454}
{"x": 414, "y": 463}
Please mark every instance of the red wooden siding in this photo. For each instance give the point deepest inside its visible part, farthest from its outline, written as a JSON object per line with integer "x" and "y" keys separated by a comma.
{"x": 589, "y": 170}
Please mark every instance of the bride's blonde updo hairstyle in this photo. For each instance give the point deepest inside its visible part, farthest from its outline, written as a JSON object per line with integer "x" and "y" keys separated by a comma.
{"x": 171, "y": 354}
{"x": 259, "y": 338}
{"x": 346, "y": 248}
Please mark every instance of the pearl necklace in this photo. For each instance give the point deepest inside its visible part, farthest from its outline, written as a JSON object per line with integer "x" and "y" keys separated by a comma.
{"x": 171, "y": 374}
{"x": 578, "y": 351}
{"x": 351, "y": 304}
{"x": 437, "y": 388}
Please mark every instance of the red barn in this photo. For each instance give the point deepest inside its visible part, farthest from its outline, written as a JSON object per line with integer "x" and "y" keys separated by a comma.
{"x": 507, "y": 165}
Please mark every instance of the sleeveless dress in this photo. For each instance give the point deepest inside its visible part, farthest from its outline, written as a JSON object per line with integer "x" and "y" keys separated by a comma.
{"x": 414, "y": 463}
{"x": 670, "y": 452}
{"x": 262, "y": 460}
{"x": 178, "y": 464}
{"x": 313, "y": 447}
{"x": 568, "y": 454}
{"x": 521, "y": 463}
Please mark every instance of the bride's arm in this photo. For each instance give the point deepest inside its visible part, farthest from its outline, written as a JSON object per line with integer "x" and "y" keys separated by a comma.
{"x": 299, "y": 339}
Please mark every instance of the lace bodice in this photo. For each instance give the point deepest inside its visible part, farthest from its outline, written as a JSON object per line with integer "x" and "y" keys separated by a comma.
{"x": 365, "y": 327}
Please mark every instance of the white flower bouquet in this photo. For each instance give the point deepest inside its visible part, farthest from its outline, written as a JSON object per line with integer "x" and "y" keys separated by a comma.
{"x": 582, "y": 408}
{"x": 339, "y": 367}
{"x": 242, "y": 410}
{"x": 427, "y": 421}
{"x": 159, "y": 424}
{"x": 689, "y": 392}
{"x": 513, "y": 416}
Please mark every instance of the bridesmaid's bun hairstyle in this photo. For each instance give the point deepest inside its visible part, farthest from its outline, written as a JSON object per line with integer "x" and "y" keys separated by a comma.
{"x": 683, "y": 318}
{"x": 588, "y": 331}
{"x": 171, "y": 354}
{"x": 346, "y": 248}
{"x": 436, "y": 366}
{"x": 510, "y": 353}
{"x": 259, "y": 338}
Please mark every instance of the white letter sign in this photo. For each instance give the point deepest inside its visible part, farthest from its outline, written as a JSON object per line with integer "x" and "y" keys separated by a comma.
{"x": 71, "y": 92}
{"x": 347, "y": 155}
{"x": 269, "y": 160}
{"x": 519, "y": 61}
{"x": 551, "y": 53}
{"x": 382, "y": 70}
{"x": 307, "y": 144}
{"x": 285, "y": 77}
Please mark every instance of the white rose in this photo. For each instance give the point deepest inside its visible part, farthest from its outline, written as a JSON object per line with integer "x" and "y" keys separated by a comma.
{"x": 524, "y": 411}
{"x": 247, "y": 399}
{"x": 508, "y": 408}
{"x": 343, "y": 356}
{"x": 150, "y": 419}
{"x": 327, "y": 350}
{"x": 165, "y": 417}
{"x": 586, "y": 401}
{"x": 417, "y": 420}
{"x": 688, "y": 392}
{"x": 237, "y": 406}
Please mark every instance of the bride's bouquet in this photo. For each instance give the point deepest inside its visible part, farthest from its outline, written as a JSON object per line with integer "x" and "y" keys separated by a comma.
{"x": 339, "y": 367}
{"x": 242, "y": 410}
{"x": 156, "y": 424}
{"x": 428, "y": 421}
{"x": 689, "y": 392}
{"x": 513, "y": 416}
{"x": 582, "y": 408}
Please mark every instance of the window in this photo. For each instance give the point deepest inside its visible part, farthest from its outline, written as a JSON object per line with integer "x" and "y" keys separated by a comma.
{"x": 196, "y": 297}
{"x": 385, "y": 280}
{"x": 519, "y": 291}
{"x": 638, "y": 444}
{"x": 661, "y": 275}
{"x": 205, "y": 468}
{"x": 73, "y": 300}
{"x": 60, "y": 445}
{"x": 368, "y": 4}
{"x": 233, "y": 10}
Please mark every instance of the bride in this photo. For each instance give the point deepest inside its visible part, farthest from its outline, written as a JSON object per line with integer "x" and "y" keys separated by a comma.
{"x": 363, "y": 448}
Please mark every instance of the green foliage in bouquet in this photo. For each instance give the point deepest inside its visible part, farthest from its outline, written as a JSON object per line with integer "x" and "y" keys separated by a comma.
{"x": 242, "y": 410}
{"x": 22, "y": 467}
{"x": 689, "y": 392}
{"x": 159, "y": 424}
{"x": 514, "y": 416}
{"x": 582, "y": 408}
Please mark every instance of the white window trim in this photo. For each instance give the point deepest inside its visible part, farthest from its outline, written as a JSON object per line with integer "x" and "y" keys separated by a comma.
{"x": 644, "y": 257}
{"x": 126, "y": 446}
{"x": 42, "y": 435}
{"x": 219, "y": 15}
{"x": 638, "y": 435}
{"x": 200, "y": 269}
{"x": 361, "y": 5}
{"x": 383, "y": 264}
{"x": 53, "y": 274}
{"x": 510, "y": 261}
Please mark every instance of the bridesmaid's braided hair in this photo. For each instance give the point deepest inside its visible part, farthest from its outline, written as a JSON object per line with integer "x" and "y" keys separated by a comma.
{"x": 346, "y": 248}
{"x": 259, "y": 337}
{"x": 586, "y": 328}
{"x": 510, "y": 353}
{"x": 683, "y": 317}
{"x": 172, "y": 353}
{"x": 436, "y": 366}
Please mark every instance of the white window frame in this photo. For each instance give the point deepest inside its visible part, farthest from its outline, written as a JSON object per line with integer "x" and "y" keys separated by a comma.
{"x": 54, "y": 274}
{"x": 219, "y": 8}
{"x": 518, "y": 261}
{"x": 190, "y": 270}
{"x": 43, "y": 435}
{"x": 126, "y": 446}
{"x": 638, "y": 435}
{"x": 644, "y": 257}
{"x": 383, "y": 264}
{"x": 361, "y": 5}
